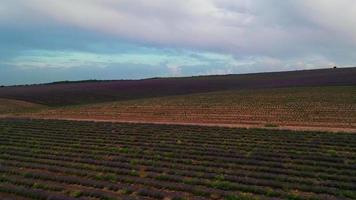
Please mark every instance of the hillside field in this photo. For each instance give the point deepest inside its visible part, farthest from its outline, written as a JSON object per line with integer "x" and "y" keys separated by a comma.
{"x": 66, "y": 160}
{"x": 302, "y": 106}
{"x": 177, "y": 138}
{"x": 88, "y": 92}
{"x": 11, "y": 106}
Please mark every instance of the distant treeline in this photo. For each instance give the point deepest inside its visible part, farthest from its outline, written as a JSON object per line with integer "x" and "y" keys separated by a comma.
{"x": 80, "y": 81}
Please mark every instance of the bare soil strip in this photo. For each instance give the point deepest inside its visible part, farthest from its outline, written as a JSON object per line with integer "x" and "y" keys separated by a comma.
{"x": 238, "y": 125}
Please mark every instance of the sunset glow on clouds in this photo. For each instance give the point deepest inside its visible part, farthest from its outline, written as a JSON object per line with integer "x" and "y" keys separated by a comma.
{"x": 50, "y": 40}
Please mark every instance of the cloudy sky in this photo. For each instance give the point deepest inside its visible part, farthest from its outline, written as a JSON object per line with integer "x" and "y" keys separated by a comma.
{"x": 52, "y": 40}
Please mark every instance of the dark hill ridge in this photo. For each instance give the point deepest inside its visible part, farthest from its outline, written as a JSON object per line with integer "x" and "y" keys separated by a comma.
{"x": 82, "y": 92}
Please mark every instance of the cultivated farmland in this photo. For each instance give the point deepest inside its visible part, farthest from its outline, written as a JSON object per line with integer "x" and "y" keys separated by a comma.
{"x": 42, "y": 159}
{"x": 301, "y": 106}
{"x": 86, "y": 92}
{"x": 10, "y": 106}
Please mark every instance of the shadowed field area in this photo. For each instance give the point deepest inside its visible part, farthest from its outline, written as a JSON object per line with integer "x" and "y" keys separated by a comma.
{"x": 87, "y": 92}
{"x": 311, "y": 106}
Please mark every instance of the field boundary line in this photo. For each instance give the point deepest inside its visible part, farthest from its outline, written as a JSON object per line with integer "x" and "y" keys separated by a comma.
{"x": 237, "y": 125}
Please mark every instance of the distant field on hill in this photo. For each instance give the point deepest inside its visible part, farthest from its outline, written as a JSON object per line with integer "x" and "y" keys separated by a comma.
{"x": 14, "y": 106}
{"x": 86, "y": 92}
{"x": 301, "y": 106}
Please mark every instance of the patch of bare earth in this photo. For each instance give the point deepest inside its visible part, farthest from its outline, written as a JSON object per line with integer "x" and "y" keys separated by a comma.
{"x": 201, "y": 121}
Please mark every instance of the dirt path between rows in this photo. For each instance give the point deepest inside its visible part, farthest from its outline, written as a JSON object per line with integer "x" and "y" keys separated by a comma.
{"x": 239, "y": 125}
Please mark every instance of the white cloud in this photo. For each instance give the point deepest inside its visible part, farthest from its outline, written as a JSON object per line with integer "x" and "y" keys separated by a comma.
{"x": 252, "y": 26}
{"x": 175, "y": 70}
{"x": 338, "y": 17}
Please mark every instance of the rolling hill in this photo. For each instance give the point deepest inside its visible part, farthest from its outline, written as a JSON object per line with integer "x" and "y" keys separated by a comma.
{"x": 10, "y": 106}
{"x": 327, "y": 106}
{"x": 86, "y": 92}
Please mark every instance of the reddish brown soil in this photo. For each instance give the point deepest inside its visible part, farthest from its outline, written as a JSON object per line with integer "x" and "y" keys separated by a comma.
{"x": 247, "y": 124}
{"x": 314, "y": 108}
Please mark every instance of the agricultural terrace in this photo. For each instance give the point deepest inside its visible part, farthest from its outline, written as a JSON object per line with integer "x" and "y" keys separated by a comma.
{"x": 42, "y": 159}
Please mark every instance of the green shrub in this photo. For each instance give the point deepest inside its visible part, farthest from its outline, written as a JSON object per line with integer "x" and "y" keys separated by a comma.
{"x": 348, "y": 194}
{"x": 222, "y": 185}
{"x": 241, "y": 197}
{"x": 75, "y": 193}
{"x": 106, "y": 177}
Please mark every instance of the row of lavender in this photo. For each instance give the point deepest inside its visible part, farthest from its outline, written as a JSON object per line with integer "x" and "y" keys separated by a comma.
{"x": 67, "y": 160}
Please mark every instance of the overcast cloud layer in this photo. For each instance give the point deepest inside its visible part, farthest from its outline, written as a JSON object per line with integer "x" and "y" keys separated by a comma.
{"x": 51, "y": 40}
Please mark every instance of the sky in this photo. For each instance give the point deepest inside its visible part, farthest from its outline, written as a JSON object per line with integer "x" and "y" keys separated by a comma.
{"x": 52, "y": 40}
